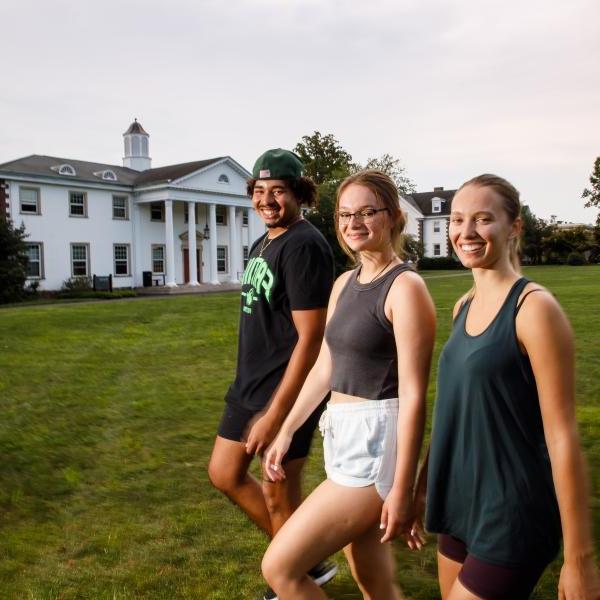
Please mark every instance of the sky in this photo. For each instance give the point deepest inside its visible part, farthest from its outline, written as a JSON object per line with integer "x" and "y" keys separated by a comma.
{"x": 452, "y": 88}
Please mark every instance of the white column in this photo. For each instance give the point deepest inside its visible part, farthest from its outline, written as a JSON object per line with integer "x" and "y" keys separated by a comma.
{"x": 212, "y": 224}
{"x": 234, "y": 251}
{"x": 170, "y": 244}
{"x": 192, "y": 259}
{"x": 240, "y": 231}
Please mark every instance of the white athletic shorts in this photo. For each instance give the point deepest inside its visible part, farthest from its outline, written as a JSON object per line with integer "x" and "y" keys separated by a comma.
{"x": 359, "y": 443}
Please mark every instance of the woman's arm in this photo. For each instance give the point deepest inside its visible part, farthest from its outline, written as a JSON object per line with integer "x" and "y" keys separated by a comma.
{"x": 315, "y": 387}
{"x": 413, "y": 317}
{"x": 544, "y": 332}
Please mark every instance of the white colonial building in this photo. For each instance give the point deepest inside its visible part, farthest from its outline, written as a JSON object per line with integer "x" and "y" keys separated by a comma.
{"x": 428, "y": 217}
{"x": 180, "y": 224}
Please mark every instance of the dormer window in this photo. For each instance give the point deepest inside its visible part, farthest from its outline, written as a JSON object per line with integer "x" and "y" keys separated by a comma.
{"x": 66, "y": 170}
{"x": 223, "y": 178}
{"x": 107, "y": 175}
{"x": 436, "y": 205}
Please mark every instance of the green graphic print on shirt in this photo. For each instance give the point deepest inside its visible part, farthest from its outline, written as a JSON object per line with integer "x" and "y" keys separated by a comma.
{"x": 260, "y": 278}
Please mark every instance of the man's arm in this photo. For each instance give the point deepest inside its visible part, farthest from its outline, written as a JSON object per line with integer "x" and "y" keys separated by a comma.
{"x": 310, "y": 325}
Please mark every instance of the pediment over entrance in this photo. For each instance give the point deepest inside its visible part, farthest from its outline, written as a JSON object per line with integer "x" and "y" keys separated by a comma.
{"x": 184, "y": 237}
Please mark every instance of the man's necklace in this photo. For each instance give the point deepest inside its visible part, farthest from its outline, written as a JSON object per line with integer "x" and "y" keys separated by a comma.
{"x": 264, "y": 246}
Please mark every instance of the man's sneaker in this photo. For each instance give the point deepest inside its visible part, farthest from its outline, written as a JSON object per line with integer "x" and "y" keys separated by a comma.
{"x": 269, "y": 594}
{"x": 325, "y": 571}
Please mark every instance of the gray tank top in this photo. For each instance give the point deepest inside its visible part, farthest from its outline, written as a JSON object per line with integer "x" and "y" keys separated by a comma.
{"x": 361, "y": 339}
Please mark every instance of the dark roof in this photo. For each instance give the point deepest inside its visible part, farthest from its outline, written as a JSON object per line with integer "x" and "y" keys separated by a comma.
{"x": 42, "y": 165}
{"x": 36, "y": 164}
{"x": 422, "y": 201}
{"x": 136, "y": 127}
{"x": 171, "y": 172}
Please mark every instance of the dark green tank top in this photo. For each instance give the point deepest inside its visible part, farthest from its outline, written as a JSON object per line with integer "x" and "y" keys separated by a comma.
{"x": 489, "y": 480}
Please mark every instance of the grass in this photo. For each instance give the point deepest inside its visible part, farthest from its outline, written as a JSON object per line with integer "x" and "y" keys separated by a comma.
{"x": 107, "y": 417}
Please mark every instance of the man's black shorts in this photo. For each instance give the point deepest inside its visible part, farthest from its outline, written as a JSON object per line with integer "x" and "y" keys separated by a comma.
{"x": 234, "y": 426}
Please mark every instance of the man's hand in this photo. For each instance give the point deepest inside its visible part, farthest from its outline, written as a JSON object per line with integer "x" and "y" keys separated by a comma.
{"x": 262, "y": 433}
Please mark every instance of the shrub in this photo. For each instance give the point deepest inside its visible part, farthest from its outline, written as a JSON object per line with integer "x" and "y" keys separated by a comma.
{"x": 13, "y": 261}
{"x": 575, "y": 259}
{"x": 77, "y": 284}
{"x": 91, "y": 294}
{"x": 439, "y": 262}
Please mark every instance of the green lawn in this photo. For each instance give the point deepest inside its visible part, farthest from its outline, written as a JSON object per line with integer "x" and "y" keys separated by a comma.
{"x": 107, "y": 416}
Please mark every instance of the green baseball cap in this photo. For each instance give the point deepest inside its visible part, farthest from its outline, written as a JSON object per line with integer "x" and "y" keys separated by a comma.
{"x": 277, "y": 164}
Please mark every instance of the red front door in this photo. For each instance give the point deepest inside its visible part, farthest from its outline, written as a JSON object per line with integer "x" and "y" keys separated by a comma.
{"x": 186, "y": 265}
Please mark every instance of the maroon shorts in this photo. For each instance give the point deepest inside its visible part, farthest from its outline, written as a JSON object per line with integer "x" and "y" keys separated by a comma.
{"x": 488, "y": 581}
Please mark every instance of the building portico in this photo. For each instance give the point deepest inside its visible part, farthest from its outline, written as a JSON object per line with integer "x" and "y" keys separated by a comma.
{"x": 183, "y": 224}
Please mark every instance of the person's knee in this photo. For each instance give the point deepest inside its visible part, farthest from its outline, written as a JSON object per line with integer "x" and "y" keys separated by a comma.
{"x": 276, "y": 497}
{"x": 222, "y": 479}
{"x": 274, "y": 568}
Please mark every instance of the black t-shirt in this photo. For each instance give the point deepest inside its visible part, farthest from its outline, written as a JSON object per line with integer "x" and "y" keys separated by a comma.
{"x": 295, "y": 272}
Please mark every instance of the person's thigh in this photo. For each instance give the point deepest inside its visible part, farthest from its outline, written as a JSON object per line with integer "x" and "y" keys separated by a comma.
{"x": 448, "y": 571}
{"x": 495, "y": 582}
{"x": 329, "y": 519}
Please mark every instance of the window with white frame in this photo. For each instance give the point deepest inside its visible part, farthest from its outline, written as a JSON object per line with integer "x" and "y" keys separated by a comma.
{"x": 245, "y": 251}
{"x": 121, "y": 259}
{"x": 35, "y": 260}
{"x": 109, "y": 175}
{"x": 245, "y": 216}
{"x": 221, "y": 259}
{"x": 436, "y": 226}
{"x": 157, "y": 211}
{"x": 436, "y": 206}
{"x": 437, "y": 250}
{"x": 77, "y": 204}
{"x": 29, "y": 201}
{"x": 223, "y": 178}
{"x": 120, "y": 207}
{"x": 221, "y": 215}
{"x": 80, "y": 260}
{"x": 67, "y": 170}
{"x": 158, "y": 259}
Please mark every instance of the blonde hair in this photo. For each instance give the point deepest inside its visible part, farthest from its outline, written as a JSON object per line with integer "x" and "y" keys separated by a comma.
{"x": 511, "y": 204}
{"x": 385, "y": 190}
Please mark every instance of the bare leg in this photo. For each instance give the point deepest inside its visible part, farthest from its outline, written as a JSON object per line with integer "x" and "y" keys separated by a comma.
{"x": 460, "y": 592}
{"x": 329, "y": 519}
{"x": 228, "y": 472}
{"x": 448, "y": 570}
{"x": 284, "y": 497}
{"x": 372, "y": 565}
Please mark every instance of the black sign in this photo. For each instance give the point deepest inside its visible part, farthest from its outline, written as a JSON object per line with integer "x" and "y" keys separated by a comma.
{"x": 103, "y": 283}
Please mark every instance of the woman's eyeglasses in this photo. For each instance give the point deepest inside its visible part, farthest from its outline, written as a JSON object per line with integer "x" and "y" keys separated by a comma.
{"x": 364, "y": 215}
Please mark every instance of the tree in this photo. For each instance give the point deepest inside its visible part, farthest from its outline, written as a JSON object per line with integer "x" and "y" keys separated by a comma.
{"x": 391, "y": 166}
{"x": 13, "y": 261}
{"x": 593, "y": 192}
{"x": 559, "y": 243}
{"x": 323, "y": 157}
{"x": 327, "y": 164}
{"x": 534, "y": 231}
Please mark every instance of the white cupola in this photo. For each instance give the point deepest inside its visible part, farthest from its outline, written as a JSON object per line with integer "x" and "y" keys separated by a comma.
{"x": 137, "y": 143}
